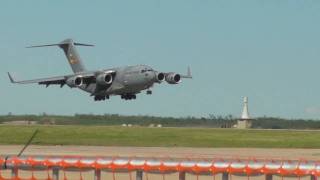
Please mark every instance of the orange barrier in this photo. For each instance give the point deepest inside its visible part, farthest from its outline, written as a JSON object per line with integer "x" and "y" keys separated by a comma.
{"x": 162, "y": 166}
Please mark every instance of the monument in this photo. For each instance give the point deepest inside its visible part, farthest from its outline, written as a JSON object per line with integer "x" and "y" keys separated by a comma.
{"x": 245, "y": 120}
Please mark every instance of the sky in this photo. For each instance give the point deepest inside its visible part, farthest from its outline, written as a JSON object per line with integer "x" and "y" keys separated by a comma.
{"x": 268, "y": 50}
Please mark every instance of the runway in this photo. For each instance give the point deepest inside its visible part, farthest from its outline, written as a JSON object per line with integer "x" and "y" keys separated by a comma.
{"x": 173, "y": 152}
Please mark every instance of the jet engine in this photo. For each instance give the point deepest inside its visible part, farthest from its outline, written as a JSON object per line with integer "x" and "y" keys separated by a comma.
{"x": 173, "y": 78}
{"x": 104, "y": 79}
{"x": 75, "y": 81}
{"x": 160, "y": 76}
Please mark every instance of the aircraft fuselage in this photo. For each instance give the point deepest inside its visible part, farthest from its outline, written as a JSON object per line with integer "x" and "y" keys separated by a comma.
{"x": 127, "y": 80}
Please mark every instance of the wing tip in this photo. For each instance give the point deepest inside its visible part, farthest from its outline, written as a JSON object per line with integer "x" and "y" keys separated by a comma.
{"x": 189, "y": 75}
{"x": 11, "y": 78}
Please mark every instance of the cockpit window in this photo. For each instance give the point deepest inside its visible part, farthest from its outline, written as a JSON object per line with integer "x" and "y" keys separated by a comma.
{"x": 146, "y": 70}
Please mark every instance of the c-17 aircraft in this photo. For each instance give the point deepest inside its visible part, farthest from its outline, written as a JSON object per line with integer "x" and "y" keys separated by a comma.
{"x": 124, "y": 81}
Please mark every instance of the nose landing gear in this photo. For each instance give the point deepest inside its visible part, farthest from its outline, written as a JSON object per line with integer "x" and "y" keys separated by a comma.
{"x": 149, "y": 92}
{"x": 128, "y": 96}
{"x": 101, "y": 98}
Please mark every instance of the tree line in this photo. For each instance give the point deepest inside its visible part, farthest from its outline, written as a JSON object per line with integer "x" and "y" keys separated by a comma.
{"x": 212, "y": 121}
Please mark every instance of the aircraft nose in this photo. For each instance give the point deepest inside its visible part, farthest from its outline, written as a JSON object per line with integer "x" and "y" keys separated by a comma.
{"x": 153, "y": 76}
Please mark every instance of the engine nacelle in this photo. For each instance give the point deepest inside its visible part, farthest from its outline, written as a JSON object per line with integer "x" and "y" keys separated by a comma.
{"x": 160, "y": 77}
{"x": 75, "y": 81}
{"x": 104, "y": 79}
{"x": 173, "y": 78}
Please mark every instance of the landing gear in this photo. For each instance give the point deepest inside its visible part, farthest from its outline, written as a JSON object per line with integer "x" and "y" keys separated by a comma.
{"x": 101, "y": 98}
{"x": 128, "y": 96}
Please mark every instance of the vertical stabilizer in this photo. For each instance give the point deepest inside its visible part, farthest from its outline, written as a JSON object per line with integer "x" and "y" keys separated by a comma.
{"x": 71, "y": 53}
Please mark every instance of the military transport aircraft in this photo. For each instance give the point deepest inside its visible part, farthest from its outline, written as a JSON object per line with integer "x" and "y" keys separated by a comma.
{"x": 124, "y": 81}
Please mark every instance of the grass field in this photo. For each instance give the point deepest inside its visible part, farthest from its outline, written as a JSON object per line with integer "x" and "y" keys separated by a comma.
{"x": 165, "y": 137}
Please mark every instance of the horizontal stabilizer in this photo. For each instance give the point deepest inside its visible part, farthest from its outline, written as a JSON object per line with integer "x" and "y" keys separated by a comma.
{"x": 60, "y": 44}
{"x": 43, "y": 45}
{"x": 81, "y": 44}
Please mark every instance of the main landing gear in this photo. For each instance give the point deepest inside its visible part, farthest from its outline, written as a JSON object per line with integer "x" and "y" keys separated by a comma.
{"x": 101, "y": 98}
{"x": 128, "y": 96}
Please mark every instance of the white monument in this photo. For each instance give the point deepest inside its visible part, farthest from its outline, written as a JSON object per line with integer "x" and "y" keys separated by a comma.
{"x": 245, "y": 112}
{"x": 245, "y": 121}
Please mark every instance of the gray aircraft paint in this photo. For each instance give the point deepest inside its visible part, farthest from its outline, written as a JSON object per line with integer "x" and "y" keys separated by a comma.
{"x": 126, "y": 81}
{"x": 72, "y": 55}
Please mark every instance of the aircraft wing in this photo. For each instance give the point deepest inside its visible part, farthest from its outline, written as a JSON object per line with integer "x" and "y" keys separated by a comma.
{"x": 51, "y": 80}
{"x": 88, "y": 77}
{"x": 57, "y": 80}
{"x": 188, "y": 75}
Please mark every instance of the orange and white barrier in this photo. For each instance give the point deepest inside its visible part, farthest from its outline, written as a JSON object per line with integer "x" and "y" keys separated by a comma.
{"x": 210, "y": 167}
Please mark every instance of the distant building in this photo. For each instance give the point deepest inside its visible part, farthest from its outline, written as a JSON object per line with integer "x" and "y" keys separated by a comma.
{"x": 245, "y": 120}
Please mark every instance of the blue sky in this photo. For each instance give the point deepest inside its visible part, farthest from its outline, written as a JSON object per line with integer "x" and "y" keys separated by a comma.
{"x": 268, "y": 50}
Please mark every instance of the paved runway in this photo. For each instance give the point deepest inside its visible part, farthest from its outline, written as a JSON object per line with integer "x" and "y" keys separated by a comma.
{"x": 173, "y": 152}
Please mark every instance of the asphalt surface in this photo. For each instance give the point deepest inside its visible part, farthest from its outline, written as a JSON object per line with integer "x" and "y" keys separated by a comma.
{"x": 163, "y": 152}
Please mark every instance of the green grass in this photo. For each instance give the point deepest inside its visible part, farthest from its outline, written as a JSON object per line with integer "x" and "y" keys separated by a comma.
{"x": 165, "y": 137}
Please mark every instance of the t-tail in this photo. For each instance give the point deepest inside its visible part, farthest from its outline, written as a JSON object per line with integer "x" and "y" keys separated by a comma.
{"x": 71, "y": 53}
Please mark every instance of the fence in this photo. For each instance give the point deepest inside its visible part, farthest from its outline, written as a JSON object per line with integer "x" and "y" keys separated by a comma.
{"x": 53, "y": 165}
